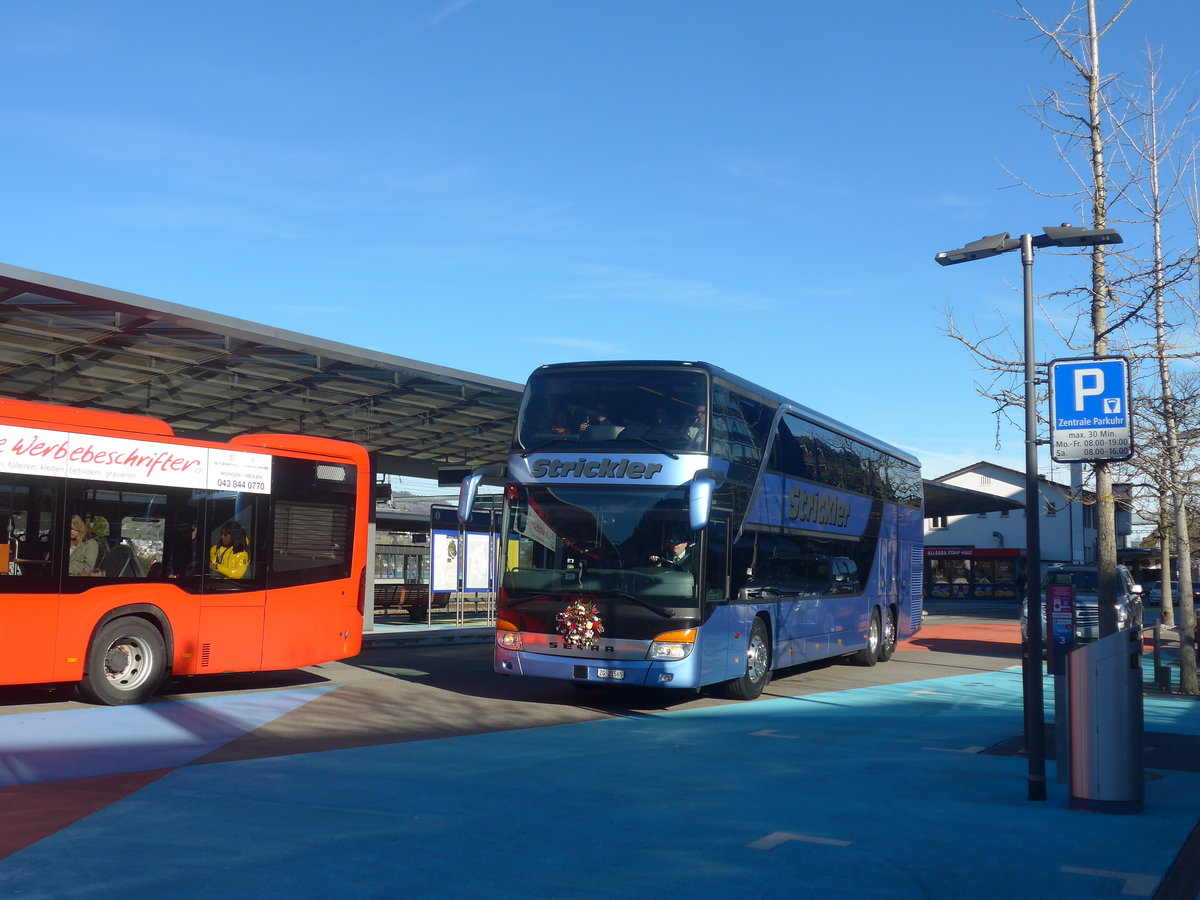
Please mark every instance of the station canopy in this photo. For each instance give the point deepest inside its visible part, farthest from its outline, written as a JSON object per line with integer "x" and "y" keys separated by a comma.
{"x": 212, "y": 377}
{"x": 950, "y": 500}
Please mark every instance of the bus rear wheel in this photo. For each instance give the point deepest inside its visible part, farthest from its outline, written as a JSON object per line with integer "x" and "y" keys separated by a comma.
{"x": 758, "y": 666}
{"x": 887, "y": 644}
{"x": 125, "y": 663}
{"x": 869, "y": 654}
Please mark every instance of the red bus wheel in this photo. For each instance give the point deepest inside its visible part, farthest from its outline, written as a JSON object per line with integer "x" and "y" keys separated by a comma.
{"x": 125, "y": 664}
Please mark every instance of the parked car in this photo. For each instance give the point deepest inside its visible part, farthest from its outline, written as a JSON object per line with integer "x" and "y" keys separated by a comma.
{"x": 1086, "y": 579}
{"x": 1152, "y": 592}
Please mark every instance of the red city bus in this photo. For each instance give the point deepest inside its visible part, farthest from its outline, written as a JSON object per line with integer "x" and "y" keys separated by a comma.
{"x": 186, "y": 558}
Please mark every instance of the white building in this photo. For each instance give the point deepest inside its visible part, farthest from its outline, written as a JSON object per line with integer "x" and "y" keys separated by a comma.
{"x": 982, "y": 555}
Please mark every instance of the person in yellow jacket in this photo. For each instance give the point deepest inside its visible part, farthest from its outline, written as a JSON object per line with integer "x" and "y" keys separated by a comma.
{"x": 231, "y": 556}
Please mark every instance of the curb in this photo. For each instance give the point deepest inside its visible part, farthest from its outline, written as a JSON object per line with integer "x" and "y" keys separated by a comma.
{"x": 429, "y": 637}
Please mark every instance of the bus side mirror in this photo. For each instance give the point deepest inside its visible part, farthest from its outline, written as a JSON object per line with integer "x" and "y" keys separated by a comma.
{"x": 700, "y": 495}
{"x": 466, "y": 495}
{"x": 470, "y": 487}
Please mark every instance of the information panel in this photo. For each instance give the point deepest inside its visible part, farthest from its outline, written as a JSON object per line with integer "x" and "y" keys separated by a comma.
{"x": 1089, "y": 410}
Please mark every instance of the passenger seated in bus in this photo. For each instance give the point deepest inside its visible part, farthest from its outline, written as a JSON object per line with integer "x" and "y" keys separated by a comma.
{"x": 559, "y": 423}
{"x": 695, "y": 430}
{"x": 182, "y": 551}
{"x": 231, "y": 557}
{"x": 600, "y": 420}
{"x": 657, "y": 428}
{"x": 98, "y": 530}
{"x": 83, "y": 549}
{"x": 662, "y": 428}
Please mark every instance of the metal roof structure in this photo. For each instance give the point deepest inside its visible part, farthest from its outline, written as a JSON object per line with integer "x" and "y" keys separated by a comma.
{"x": 212, "y": 376}
{"x": 951, "y": 500}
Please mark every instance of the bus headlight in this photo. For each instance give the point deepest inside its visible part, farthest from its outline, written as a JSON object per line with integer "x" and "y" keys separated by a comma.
{"x": 507, "y": 635}
{"x": 672, "y": 645}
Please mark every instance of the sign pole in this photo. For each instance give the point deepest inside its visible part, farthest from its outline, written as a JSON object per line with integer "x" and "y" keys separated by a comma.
{"x": 1031, "y": 660}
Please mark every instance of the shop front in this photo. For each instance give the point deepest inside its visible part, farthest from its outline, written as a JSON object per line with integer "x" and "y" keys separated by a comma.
{"x": 973, "y": 573}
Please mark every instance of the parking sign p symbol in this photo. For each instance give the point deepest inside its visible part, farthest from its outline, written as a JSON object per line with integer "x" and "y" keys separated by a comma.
{"x": 1083, "y": 390}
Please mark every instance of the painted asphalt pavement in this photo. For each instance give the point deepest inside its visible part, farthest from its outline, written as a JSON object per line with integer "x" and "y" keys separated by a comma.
{"x": 878, "y": 791}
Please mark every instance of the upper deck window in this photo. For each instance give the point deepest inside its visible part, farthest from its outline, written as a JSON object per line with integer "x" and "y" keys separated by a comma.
{"x": 666, "y": 407}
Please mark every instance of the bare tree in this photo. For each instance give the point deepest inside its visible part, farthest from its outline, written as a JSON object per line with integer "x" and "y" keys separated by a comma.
{"x": 1156, "y": 148}
{"x": 1134, "y": 309}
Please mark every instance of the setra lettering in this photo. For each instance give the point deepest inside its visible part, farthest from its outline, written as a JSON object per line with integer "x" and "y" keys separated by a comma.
{"x": 595, "y": 469}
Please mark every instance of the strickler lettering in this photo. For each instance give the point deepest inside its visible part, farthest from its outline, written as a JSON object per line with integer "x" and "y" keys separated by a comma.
{"x": 814, "y": 506}
{"x": 585, "y": 468}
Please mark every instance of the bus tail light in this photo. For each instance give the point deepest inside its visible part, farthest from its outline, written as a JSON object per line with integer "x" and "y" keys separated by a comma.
{"x": 507, "y": 635}
{"x": 673, "y": 645}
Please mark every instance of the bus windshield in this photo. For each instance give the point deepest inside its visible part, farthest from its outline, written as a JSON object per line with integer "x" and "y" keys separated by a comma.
{"x": 630, "y": 542}
{"x": 664, "y": 407}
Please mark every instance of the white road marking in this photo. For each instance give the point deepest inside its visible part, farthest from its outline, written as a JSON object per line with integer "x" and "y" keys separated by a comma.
{"x": 1135, "y": 885}
{"x": 773, "y": 840}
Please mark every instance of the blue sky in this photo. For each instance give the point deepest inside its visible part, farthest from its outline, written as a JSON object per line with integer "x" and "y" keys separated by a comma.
{"x": 496, "y": 185}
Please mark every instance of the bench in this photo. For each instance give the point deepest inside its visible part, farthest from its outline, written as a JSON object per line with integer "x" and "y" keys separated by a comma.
{"x": 395, "y": 598}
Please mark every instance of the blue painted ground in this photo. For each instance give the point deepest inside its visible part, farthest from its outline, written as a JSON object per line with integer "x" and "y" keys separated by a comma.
{"x": 877, "y": 792}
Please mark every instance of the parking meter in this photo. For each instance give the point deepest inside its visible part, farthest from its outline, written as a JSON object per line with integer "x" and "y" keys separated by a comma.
{"x": 1060, "y": 603}
{"x": 1060, "y": 640}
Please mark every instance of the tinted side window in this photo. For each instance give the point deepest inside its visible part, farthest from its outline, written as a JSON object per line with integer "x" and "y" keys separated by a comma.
{"x": 33, "y": 544}
{"x": 312, "y": 521}
{"x": 740, "y": 426}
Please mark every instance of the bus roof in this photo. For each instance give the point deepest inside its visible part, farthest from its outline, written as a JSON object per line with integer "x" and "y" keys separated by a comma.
{"x": 68, "y": 416}
{"x": 749, "y": 386}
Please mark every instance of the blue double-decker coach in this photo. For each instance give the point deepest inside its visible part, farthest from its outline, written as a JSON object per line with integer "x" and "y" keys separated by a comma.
{"x": 670, "y": 524}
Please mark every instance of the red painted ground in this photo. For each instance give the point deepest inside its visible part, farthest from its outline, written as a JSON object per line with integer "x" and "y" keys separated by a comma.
{"x": 35, "y": 811}
{"x": 982, "y": 640}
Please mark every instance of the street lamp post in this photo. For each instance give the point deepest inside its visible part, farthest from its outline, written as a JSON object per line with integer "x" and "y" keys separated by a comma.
{"x": 1031, "y": 651}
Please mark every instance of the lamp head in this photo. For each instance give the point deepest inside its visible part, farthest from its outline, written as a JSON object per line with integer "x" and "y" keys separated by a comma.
{"x": 991, "y": 245}
{"x": 1073, "y": 236}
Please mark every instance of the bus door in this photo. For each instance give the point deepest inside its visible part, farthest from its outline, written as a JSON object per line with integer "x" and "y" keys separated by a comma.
{"x": 30, "y": 542}
{"x": 715, "y": 610}
{"x": 233, "y": 585}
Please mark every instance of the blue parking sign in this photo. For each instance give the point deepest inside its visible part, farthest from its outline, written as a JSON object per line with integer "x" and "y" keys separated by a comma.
{"x": 1089, "y": 409}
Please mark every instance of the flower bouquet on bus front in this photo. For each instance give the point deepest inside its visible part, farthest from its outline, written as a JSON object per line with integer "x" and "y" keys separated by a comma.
{"x": 580, "y": 625}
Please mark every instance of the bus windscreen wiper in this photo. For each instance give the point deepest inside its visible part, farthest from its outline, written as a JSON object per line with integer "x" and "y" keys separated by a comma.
{"x": 654, "y": 446}
{"x": 543, "y": 596}
{"x": 550, "y": 443}
{"x": 560, "y": 595}
{"x": 653, "y": 607}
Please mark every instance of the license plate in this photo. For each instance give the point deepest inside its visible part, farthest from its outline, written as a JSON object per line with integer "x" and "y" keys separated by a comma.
{"x": 615, "y": 674}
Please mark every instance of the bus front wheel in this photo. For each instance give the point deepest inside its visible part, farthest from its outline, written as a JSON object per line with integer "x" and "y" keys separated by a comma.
{"x": 125, "y": 663}
{"x": 869, "y": 654}
{"x": 758, "y": 666}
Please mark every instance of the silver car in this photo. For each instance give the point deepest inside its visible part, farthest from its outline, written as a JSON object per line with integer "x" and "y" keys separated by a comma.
{"x": 1086, "y": 579}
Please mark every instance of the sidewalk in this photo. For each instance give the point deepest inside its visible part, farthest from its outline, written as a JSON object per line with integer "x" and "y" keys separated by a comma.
{"x": 445, "y": 628}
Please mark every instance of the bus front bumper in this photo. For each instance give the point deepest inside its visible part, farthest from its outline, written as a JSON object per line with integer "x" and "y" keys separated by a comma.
{"x": 682, "y": 673}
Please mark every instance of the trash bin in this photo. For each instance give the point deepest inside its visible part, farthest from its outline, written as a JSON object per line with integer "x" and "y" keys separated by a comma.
{"x": 1104, "y": 698}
